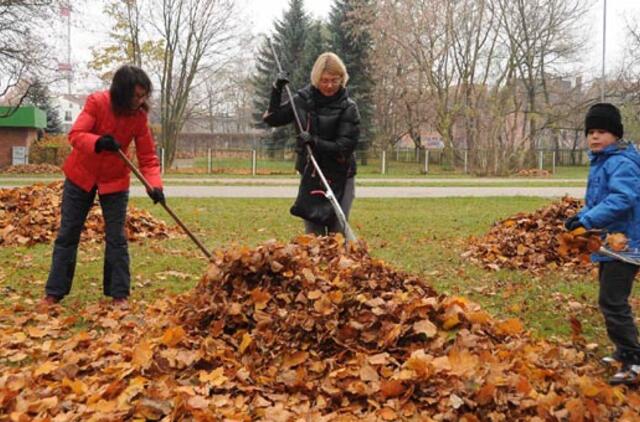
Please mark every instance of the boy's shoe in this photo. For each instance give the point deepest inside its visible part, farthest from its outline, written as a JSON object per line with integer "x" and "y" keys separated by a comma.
{"x": 609, "y": 361}
{"x": 627, "y": 375}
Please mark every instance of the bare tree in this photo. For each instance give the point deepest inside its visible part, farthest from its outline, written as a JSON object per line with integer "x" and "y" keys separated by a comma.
{"x": 542, "y": 36}
{"x": 23, "y": 53}
{"x": 197, "y": 35}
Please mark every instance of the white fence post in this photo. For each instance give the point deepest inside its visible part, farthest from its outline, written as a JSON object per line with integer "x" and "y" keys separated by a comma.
{"x": 209, "y": 163}
{"x": 384, "y": 162}
{"x": 162, "y": 160}
{"x": 466, "y": 161}
{"x": 553, "y": 163}
{"x": 254, "y": 162}
{"x": 540, "y": 160}
{"x": 426, "y": 161}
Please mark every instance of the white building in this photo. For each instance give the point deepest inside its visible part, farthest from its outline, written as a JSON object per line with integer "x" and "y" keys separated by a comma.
{"x": 68, "y": 106}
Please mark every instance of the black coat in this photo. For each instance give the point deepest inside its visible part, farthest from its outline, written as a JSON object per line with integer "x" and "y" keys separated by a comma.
{"x": 334, "y": 121}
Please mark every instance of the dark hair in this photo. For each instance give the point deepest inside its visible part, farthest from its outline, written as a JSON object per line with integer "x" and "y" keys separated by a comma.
{"x": 123, "y": 87}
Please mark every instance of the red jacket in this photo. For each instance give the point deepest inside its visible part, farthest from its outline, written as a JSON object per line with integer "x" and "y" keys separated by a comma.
{"x": 106, "y": 169}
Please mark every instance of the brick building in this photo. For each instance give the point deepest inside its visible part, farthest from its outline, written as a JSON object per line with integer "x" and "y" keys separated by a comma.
{"x": 19, "y": 129}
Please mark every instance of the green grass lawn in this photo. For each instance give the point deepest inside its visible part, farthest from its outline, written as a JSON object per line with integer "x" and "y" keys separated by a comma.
{"x": 424, "y": 236}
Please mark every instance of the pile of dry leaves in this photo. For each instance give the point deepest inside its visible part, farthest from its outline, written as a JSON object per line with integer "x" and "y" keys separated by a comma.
{"x": 528, "y": 241}
{"x": 32, "y": 169}
{"x": 31, "y": 214}
{"x": 533, "y": 173}
{"x": 299, "y": 331}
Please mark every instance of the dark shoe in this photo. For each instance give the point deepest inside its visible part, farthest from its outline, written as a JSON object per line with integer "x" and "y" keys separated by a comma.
{"x": 49, "y": 300}
{"x": 627, "y": 375}
{"x": 121, "y": 302}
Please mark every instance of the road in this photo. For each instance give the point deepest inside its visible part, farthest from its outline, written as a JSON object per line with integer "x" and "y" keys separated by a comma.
{"x": 363, "y": 191}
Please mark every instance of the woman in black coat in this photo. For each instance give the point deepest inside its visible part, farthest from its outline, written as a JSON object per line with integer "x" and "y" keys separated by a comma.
{"x": 330, "y": 120}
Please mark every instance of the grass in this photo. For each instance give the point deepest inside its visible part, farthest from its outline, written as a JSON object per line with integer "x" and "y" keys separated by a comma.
{"x": 424, "y": 236}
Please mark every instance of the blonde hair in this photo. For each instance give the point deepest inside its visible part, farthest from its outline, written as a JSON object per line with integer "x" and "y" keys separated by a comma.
{"x": 331, "y": 63}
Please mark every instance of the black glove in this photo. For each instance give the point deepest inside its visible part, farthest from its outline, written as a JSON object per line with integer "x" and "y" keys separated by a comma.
{"x": 107, "y": 143}
{"x": 305, "y": 138}
{"x": 572, "y": 223}
{"x": 156, "y": 195}
{"x": 282, "y": 79}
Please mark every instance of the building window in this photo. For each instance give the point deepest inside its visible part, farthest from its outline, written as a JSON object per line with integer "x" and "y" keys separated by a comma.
{"x": 67, "y": 116}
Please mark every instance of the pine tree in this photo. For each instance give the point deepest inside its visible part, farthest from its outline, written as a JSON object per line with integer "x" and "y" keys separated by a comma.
{"x": 352, "y": 46}
{"x": 289, "y": 38}
{"x": 39, "y": 96}
{"x": 317, "y": 43}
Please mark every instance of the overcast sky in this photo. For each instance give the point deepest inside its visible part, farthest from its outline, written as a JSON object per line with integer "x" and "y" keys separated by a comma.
{"x": 90, "y": 29}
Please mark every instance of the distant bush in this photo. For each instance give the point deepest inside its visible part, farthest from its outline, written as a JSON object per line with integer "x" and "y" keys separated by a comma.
{"x": 50, "y": 149}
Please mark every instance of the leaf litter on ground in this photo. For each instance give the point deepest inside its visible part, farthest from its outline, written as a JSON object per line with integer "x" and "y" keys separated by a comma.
{"x": 31, "y": 214}
{"x": 304, "y": 330}
{"x": 530, "y": 242}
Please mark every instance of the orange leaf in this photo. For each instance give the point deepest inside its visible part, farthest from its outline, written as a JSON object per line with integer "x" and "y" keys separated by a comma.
{"x": 173, "y": 336}
{"x": 45, "y": 368}
{"x": 142, "y": 355}
{"x": 246, "y": 342}
{"x": 260, "y": 298}
{"x": 510, "y": 327}
{"x": 294, "y": 359}
{"x": 425, "y": 327}
{"x": 391, "y": 388}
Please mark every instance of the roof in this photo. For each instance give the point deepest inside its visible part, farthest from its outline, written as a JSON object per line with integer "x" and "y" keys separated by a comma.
{"x": 28, "y": 116}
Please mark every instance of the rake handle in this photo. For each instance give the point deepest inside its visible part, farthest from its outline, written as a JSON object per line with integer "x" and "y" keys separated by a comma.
{"x": 148, "y": 187}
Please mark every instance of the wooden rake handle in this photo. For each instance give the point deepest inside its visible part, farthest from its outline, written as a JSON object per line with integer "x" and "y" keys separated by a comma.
{"x": 149, "y": 188}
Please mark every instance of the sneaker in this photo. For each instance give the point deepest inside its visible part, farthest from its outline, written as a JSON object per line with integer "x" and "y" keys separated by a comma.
{"x": 49, "y": 300}
{"x": 627, "y": 375}
{"x": 609, "y": 360}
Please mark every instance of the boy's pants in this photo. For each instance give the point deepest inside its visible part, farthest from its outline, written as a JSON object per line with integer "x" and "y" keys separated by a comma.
{"x": 75, "y": 207}
{"x": 346, "y": 202}
{"x": 616, "y": 283}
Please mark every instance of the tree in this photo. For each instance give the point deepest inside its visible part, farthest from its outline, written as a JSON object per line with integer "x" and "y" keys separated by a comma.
{"x": 23, "y": 53}
{"x": 39, "y": 96}
{"x": 290, "y": 39}
{"x": 197, "y": 35}
{"x": 129, "y": 43}
{"x": 351, "y": 41}
{"x": 541, "y": 36}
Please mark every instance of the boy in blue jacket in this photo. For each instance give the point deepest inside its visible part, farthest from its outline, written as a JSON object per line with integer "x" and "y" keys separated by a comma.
{"x": 613, "y": 205}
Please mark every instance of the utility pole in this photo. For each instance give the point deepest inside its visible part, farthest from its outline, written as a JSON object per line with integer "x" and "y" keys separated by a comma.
{"x": 604, "y": 50}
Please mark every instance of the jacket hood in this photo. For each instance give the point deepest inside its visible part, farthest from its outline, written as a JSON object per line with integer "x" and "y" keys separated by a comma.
{"x": 622, "y": 147}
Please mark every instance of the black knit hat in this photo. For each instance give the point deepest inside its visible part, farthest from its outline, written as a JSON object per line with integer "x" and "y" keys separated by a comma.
{"x": 604, "y": 116}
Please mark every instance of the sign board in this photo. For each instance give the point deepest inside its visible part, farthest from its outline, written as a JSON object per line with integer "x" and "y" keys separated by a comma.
{"x": 19, "y": 156}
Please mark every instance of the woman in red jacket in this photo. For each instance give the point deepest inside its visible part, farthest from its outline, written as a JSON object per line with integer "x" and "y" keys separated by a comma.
{"x": 110, "y": 120}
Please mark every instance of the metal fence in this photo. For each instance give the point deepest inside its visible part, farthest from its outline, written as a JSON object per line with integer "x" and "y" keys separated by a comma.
{"x": 399, "y": 161}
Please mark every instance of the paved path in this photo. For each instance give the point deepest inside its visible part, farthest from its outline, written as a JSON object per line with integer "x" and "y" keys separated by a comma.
{"x": 362, "y": 192}
{"x": 294, "y": 181}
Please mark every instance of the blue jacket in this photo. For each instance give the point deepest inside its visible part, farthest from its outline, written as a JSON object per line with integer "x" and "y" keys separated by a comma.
{"x": 612, "y": 202}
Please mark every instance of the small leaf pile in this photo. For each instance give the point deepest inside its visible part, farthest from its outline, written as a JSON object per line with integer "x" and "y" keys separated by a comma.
{"x": 533, "y": 173}
{"x": 31, "y": 214}
{"x": 33, "y": 169}
{"x": 298, "y": 331}
{"x": 528, "y": 241}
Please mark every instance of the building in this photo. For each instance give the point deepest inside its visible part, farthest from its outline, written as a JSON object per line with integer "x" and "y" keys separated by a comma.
{"x": 17, "y": 131}
{"x": 68, "y": 106}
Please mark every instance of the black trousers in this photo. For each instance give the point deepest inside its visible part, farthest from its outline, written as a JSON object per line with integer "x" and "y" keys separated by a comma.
{"x": 616, "y": 284}
{"x": 75, "y": 207}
